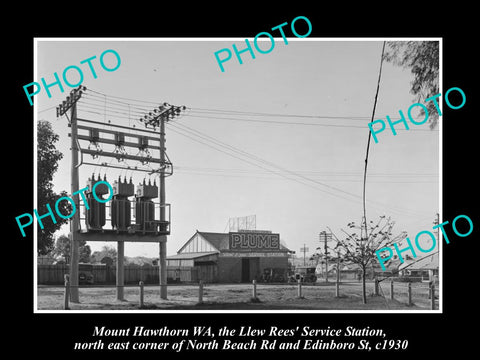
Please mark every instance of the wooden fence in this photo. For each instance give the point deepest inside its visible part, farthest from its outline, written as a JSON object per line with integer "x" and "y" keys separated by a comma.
{"x": 104, "y": 274}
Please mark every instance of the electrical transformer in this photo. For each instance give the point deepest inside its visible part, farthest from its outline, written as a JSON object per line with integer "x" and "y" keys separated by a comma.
{"x": 120, "y": 211}
{"x": 95, "y": 215}
{"x": 144, "y": 206}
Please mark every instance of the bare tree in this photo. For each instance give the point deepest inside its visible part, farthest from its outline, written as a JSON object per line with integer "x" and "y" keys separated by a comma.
{"x": 360, "y": 246}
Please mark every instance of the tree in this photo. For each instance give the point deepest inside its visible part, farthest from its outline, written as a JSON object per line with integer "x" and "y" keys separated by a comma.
{"x": 62, "y": 249}
{"x": 85, "y": 253}
{"x": 106, "y": 251}
{"x": 47, "y": 164}
{"x": 359, "y": 247}
{"x": 422, "y": 58}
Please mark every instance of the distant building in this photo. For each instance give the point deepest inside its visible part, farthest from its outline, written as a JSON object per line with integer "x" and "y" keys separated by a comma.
{"x": 231, "y": 257}
{"x": 425, "y": 268}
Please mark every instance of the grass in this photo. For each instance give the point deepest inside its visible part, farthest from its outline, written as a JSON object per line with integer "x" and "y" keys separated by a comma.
{"x": 238, "y": 297}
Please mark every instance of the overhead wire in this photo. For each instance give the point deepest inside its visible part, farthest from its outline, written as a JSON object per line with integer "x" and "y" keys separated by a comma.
{"x": 246, "y": 116}
{"x": 124, "y": 110}
{"x": 194, "y": 132}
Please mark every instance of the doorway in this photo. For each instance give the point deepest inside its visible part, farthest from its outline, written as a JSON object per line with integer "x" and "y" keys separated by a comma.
{"x": 250, "y": 268}
{"x": 245, "y": 270}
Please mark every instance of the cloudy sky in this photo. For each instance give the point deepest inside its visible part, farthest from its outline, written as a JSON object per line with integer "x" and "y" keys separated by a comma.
{"x": 296, "y": 116}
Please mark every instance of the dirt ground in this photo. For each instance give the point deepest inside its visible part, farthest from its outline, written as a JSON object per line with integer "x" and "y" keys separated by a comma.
{"x": 319, "y": 296}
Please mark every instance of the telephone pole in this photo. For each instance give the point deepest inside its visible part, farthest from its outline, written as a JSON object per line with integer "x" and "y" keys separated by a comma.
{"x": 323, "y": 236}
{"x": 165, "y": 113}
{"x": 304, "y": 249}
{"x": 71, "y": 104}
{"x": 436, "y": 222}
{"x": 74, "y": 224}
{"x": 162, "y": 262}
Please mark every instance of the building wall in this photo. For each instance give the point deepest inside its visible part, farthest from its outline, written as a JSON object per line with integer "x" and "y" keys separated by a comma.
{"x": 274, "y": 262}
{"x": 230, "y": 268}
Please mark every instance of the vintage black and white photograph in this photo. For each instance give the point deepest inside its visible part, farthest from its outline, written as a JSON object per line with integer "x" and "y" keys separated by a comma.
{"x": 261, "y": 174}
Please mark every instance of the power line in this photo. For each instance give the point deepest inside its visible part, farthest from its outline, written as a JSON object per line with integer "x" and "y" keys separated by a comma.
{"x": 258, "y": 176}
{"x": 312, "y": 172}
{"x": 256, "y": 158}
{"x": 200, "y": 112}
{"x": 259, "y": 114}
{"x": 277, "y": 122}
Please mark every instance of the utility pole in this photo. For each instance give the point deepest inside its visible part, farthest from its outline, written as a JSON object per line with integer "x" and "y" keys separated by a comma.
{"x": 162, "y": 263}
{"x": 436, "y": 222}
{"x": 166, "y": 111}
{"x": 326, "y": 259}
{"x": 325, "y": 237}
{"x": 74, "y": 224}
{"x": 304, "y": 249}
{"x": 71, "y": 104}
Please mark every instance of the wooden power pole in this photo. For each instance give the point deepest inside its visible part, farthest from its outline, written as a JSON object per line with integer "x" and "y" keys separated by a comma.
{"x": 162, "y": 262}
{"x": 75, "y": 223}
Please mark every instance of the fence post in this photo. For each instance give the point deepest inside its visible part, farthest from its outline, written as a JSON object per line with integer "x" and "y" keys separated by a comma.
{"x": 254, "y": 291}
{"x": 299, "y": 288}
{"x": 337, "y": 285}
{"x": 376, "y": 287}
{"x": 67, "y": 292}
{"x": 391, "y": 289}
{"x": 432, "y": 290}
{"x": 200, "y": 291}
{"x": 409, "y": 294}
{"x": 141, "y": 294}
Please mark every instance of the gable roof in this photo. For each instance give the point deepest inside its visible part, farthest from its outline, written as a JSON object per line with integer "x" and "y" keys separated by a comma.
{"x": 218, "y": 240}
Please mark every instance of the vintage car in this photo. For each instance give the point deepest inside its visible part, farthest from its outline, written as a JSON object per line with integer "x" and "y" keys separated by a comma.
{"x": 304, "y": 273}
{"x": 274, "y": 275}
{"x": 85, "y": 274}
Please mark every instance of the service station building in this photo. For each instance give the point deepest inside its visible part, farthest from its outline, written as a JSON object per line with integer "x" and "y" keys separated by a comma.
{"x": 231, "y": 257}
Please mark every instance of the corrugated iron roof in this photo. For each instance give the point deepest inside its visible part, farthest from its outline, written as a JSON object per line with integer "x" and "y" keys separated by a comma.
{"x": 188, "y": 256}
{"x": 218, "y": 240}
{"x": 426, "y": 263}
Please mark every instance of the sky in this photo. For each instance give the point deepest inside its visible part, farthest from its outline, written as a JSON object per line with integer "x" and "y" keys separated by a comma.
{"x": 309, "y": 85}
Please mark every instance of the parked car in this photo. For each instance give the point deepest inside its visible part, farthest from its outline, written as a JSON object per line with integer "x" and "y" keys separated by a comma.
{"x": 304, "y": 273}
{"x": 85, "y": 274}
{"x": 274, "y": 275}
